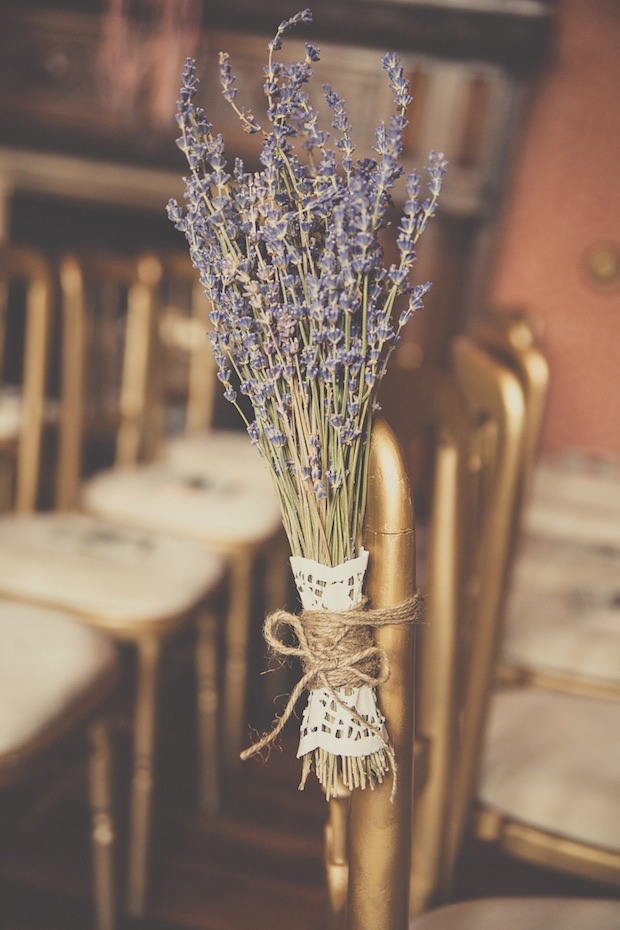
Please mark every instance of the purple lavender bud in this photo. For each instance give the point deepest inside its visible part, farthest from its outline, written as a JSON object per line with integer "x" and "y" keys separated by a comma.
{"x": 320, "y": 490}
{"x": 226, "y": 77}
{"x": 253, "y": 429}
{"x": 312, "y": 53}
{"x": 334, "y": 478}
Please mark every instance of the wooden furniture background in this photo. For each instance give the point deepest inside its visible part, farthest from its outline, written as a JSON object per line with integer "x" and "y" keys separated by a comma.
{"x": 471, "y": 65}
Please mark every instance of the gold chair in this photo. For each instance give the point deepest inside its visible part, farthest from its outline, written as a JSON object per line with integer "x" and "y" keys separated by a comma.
{"x": 546, "y": 782}
{"x": 55, "y": 674}
{"x": 561, "y": 623}
{"x": 511, "y": 337}
{"x": 206, "y": 485}
{"x": 137, "y": 586}
{"x": 368, "y": 835}
{"x": 473, "y": 422}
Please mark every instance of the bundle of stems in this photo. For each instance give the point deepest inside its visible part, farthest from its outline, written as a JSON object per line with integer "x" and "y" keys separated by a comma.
{"x": 303, "y": 314}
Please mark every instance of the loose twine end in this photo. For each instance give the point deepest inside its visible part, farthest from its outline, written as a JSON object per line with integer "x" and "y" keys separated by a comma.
{"x": 336, "y": 650}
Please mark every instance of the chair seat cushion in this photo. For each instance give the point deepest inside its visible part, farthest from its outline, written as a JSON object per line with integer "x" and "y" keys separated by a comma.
{"x": 110, "y": 574}
{"x": 225, "y": 452}
{"x": 552, "y": 761}
{"x": 563, "y": 612}
{"x": 523, "y": 914}
{"x": 576, "y": 498}
{"x": 224, "y": 501}
{"x": 48, "y": 662}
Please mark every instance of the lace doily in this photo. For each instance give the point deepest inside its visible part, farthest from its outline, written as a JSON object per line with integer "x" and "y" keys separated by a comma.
{"x": 326, "y": 724}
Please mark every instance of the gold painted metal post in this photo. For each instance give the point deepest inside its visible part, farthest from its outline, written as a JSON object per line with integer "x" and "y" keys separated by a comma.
{"x": 380, "y": 831}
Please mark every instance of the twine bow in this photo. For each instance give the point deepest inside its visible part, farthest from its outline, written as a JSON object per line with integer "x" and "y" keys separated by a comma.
{"x": 336, "y": 651}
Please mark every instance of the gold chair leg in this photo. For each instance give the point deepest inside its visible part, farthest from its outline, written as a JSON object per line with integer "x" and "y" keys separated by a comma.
{"x": 236, "y": 661}
{"x": 149, "y": 650}
{"x": 206, "y": 674}
{"x": 337, "y": 857}
{"x": 278, "y": 577}
{"x": 103, "y": 835}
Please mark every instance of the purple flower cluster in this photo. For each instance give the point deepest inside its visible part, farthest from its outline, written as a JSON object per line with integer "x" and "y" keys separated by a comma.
{"x": 303, "y": 305}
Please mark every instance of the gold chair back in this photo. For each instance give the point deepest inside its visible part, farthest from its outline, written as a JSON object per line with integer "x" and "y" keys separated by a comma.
{"x": 26, "y": 291}
{"x": 511, "y": 337}
{"x": 472, "y": 420}
{"x": 496, "y": 405}
{"x": 107, "y": 363}
{"x": 187, "y": 384}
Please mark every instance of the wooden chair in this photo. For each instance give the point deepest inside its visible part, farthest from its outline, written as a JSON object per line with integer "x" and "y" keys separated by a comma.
{"x": 137, "y": 586}
{"x": 55, "y": 675}
{"x": 205, "y": 485}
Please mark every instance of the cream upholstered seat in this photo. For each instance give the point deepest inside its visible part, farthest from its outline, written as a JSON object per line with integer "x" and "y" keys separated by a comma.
{"x": 55, "y": 675}
{"x": 48, "y": 663}
{"x": 220, "y": 495}
{"x": 576, "y": 498}
{"x": 120, "y": 579}
{"x": 563, "y": 613}
{"x": 523, "y": 914}
{"x": 552, "y": 761}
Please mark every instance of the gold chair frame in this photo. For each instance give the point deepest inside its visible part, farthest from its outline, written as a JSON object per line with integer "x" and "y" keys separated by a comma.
{"x": 135, "y": 436}
{"x": 92, "y": 717}
{"x": 173, "y": 328}
{"x": 27, "y": 265}
{"x": 367, "y": 836}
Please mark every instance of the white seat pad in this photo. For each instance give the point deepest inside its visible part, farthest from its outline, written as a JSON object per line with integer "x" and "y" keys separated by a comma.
{"x": 563, "y": 612}
{"x": 552, "y": 761}
{"x": 218, "y": 501}
{"x": 224, "y": 452}
{"x": 47, "y": 662}
{"x": 103, "y": 571}
{"x": 523, "y": 914}
{"x": 576, "y": 498}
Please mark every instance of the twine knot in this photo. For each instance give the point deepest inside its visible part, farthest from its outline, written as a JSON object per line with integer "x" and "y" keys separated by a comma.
{"x": 336, "y": 650}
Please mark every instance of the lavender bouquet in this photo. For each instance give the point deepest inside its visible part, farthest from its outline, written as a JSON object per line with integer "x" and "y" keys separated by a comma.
{"x": 304, "y": 323}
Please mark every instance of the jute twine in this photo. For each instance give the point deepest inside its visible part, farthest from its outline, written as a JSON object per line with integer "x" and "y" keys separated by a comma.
{"x": 336, "y": 650}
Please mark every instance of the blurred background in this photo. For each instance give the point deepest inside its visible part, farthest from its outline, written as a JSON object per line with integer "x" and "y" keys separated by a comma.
{"x": 521, "y": 96}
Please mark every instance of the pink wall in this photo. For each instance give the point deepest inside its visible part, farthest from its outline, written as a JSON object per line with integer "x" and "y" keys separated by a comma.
{"x": 564, "y": 200}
